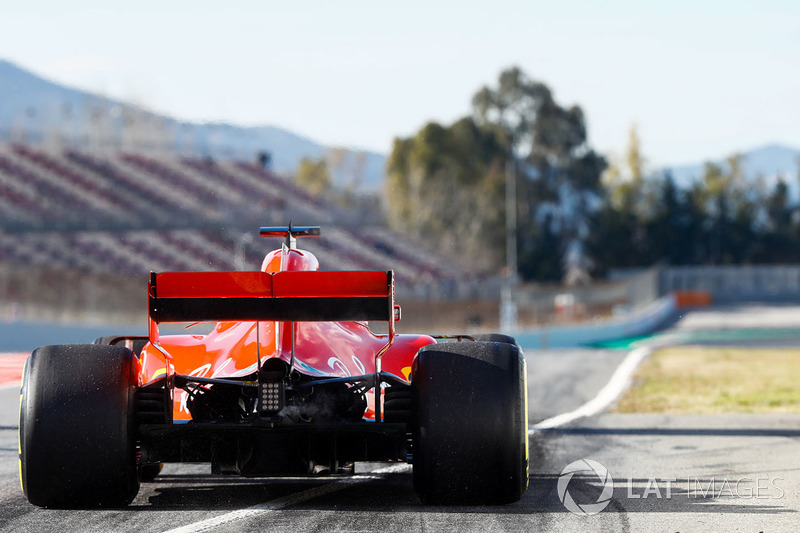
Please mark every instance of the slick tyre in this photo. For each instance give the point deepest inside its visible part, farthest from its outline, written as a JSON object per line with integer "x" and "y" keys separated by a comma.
{"x": 76, "y": 428}
{"x": 470, "y": 432}
{"x": 495, "y": 337}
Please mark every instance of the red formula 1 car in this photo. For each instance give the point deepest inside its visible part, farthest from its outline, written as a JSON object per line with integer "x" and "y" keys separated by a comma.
{"x": 284, "y": 384}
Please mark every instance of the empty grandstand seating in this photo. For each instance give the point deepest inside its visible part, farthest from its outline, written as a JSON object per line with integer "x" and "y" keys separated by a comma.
{"x": 130, "y": 214}
{"x": 139, "y": 198}
{"x": 83, "y": 186}
{"x": 48, "y": 197}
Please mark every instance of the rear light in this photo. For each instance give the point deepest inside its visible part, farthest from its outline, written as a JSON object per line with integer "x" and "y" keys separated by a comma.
{"x": 271, "y": 393}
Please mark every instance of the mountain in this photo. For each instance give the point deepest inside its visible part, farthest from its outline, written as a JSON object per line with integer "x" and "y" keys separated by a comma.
{"x": 40, "y": 110}
{"x": 769, "y": 162}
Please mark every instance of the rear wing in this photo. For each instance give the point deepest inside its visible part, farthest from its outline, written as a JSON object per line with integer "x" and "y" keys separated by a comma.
{"x": 282, "y": 296}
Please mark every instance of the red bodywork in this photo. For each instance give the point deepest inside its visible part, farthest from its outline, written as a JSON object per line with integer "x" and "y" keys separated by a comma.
{"x": 328, "y": 349}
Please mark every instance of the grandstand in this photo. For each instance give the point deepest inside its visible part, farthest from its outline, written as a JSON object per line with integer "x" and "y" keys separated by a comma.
{"x": 81, "y": 229}
{"x": 127, "y": 214}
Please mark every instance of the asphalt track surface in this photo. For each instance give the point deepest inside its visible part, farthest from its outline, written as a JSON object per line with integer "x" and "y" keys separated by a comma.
{"x": 670, "y": 473}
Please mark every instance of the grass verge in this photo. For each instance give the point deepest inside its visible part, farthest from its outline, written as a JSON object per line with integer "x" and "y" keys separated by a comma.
{"x": 691, "y": 379}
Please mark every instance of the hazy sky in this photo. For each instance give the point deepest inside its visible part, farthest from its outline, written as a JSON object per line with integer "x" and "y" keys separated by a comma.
{"x": 700, "y": 78}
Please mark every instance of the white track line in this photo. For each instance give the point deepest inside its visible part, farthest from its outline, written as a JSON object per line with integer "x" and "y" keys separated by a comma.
{"x": 286, "y": 501}
{"x": 616, "y": 385}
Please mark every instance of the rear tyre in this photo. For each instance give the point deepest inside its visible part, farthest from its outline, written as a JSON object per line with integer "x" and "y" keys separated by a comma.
{"x": 495, "y": 337}
{"x": 76, "y": 429}
{"x": 470, "y": 431}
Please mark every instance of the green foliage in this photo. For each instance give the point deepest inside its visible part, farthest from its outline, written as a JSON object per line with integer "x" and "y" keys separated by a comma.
{"x": 635, "y": 160}
{"x": 446, "y": 183}
{"x": 778, "y": 209}
{"x": 538, "y": 260}
{"x": 559, "y": 174}
{"x": 449, "y": 181}
{"x": 624, "y": 180}
{"x": 314, "y": 175}
{"x": 720, "y": 220}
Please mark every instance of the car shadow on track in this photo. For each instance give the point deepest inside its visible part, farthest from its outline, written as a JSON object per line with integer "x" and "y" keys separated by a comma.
{"x": 681, "y": 432}
{"x": 171, "y": 492}
{"x": 394, "y": 493}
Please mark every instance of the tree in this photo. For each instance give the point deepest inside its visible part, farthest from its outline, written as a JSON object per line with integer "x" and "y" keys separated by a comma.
{"x": 779, "y": 212}
{"x": 539, "y": 260}
{"x": 623, "y": 229}
{"x": 778, "y": 241}
{"x": 634, "y": 157}
{"x": 313, "y": 174}
{"x": 624, "y": 179}
{"x": 448, "y": 181}
{"x": 446, "y": 184}
{"x": 676, "y": 230}
{"x": 560, "y": 173}
{"x": 731, "y": 207}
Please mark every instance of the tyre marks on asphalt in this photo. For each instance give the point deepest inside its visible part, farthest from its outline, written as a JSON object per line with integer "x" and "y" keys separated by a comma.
{"x": 277, "y": 504}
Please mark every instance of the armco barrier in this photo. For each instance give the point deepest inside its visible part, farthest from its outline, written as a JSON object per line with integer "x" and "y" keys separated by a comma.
{"x": 640, "y": 322}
